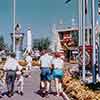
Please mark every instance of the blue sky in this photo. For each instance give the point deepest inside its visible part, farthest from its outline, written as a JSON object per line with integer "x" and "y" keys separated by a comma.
{"x": 40, "y": 14}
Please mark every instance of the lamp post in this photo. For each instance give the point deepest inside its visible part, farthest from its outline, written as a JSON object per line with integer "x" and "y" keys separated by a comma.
{"x": 83, "y": 32}
{"x": 94, "y": 41}
{"x": 87, "y": 21}
{"x": 80, "y": 22}
{"x": 14, "y": 22}
{"x": 82, "y": 35}
{"x": 99, "y": 38}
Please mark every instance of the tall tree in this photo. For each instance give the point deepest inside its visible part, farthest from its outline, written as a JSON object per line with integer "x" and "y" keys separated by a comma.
{"x": 2, "y": 43}
{"x": 41, "y": 44}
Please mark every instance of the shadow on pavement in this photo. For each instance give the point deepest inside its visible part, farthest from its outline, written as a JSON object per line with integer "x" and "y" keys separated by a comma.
{"x": 5, "y": 93}
{"x": 40, "y": 93}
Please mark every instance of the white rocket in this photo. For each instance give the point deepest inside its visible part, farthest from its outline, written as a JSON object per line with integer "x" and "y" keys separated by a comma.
{"x": 55, "y": 43}
{"x": 29, "y": 40}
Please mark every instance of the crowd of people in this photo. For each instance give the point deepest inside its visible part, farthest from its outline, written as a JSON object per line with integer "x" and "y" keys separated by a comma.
{"x": 51, "y": 68}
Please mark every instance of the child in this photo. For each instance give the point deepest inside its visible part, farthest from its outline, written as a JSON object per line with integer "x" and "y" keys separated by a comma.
{"x": 29, "y": 66}
{"x": 20, "y": 82}
{"x": 2, "y": 83}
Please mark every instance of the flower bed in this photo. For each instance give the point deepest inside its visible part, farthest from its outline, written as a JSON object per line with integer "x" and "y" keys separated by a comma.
{"x": 35, "y": 63}
{"x": 22, "y": 62}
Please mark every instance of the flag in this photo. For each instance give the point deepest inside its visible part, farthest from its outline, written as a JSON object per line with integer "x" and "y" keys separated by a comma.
{"x": 67, "y": 1}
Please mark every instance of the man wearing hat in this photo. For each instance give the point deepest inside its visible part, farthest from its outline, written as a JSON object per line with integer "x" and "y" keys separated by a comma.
{"x": 45, "y": 61}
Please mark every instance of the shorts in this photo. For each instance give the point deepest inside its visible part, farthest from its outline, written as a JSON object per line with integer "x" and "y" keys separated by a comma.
{"x": 45, "y": 74}
{"x": 58, "y": 73}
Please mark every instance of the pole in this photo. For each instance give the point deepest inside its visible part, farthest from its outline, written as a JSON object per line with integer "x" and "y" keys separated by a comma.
{"x": 99, "y": 39}
{"x": 14, "y": 15}
{"x": 94, "y": 41}
{"x": 80, "y": 22}
{"x": 99, "y": 57}
{"x": 87, "y": 20}
{"x": 83, "y": 75}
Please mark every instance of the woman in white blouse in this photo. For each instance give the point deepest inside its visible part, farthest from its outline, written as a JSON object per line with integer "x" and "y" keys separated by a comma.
{"x": 58, "y": 64}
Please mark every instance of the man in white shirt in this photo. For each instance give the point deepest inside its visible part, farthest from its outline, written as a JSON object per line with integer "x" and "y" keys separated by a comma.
{"x": 45, "y": 61}
{"x": 10, "y": 67}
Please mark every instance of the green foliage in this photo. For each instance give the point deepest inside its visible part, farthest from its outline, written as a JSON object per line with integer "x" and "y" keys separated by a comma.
{"x": 2, "y": 43}
{"x": 75, "y": 38}
{"x": 41, "y": 44}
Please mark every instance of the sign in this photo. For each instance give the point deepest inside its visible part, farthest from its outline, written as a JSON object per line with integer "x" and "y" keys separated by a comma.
{"x": 80, "y": 58}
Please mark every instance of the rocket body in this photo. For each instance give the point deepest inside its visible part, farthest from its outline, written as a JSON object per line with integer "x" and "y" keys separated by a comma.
{"x": 29, "y": 40}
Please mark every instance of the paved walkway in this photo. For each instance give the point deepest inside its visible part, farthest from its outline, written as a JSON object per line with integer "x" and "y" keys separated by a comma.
{"x": 30, "y": 88}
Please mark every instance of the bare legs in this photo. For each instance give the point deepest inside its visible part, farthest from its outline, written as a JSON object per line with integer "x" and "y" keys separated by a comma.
{"x": 58, "y": 86}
